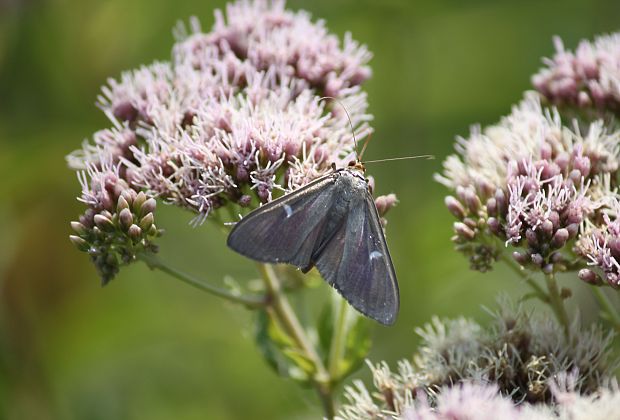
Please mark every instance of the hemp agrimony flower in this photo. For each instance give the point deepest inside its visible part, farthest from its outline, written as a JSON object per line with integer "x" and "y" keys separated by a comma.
{"x": 530, "y": 182}
{"x": 511, "y": 367}
{"x": 235, "y": 117}
{"x": 588, "y": 78}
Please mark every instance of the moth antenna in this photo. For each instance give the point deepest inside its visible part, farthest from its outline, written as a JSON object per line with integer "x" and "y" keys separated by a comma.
{"x": 364, "y": 146}
{"x": 350, "y": 123}
{"x": 428, "y": 157}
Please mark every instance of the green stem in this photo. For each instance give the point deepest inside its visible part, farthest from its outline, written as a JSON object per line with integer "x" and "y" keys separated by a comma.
{"x": 337, "y": 343}
{"x": 607, "y": 306}
{"x": 286, "y": 316}
{"x": 251, "y": 302}
{"x": 557, "y": 304}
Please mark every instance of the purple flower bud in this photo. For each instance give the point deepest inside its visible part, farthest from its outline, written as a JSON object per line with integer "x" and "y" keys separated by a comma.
{"x": 492, "y": 206}
{"x": 494, "y": 225}
{"x": 562, "y": 160}
{"x": 472, "y": 201}
{"x": 147, "y": 221}
{"x": 614, "y": 246}
{"x": 148, "y": 207}
{"x": 384, "y": 203}
{"x": 547, "y": 268}
{"x": 612, "y": 280}
{"x": 532, "y": 238}
{"x": 80, "y": 243}
{"x": 138, "y": 201}
{"x": 559, "y": 238}
{"x": 122, "y": 203}
{"x": 554, "y": 217}
{"x": 125, "y": 218}
{"x": 455, "y": 207}
{"x": 125, "y": 111}
{"x": 521, "y": 257}
{"x": 572, "y": 229}
{"x": 104, "y": 223}
{"x": 134, "y": 232}
{"x": 590, "y": 277}
{"x": 500, "y": 198}
{"x": 537, "y": 259}
{"x": 245, "y": 200}
{"x": 464, "y": 231}
{"x": 547, "y": 228}
{"x": 129, "y": 195}
{"x": 263, "y": 193}
{"x": 582, "y": 164}
{"x": 470, "y": 222}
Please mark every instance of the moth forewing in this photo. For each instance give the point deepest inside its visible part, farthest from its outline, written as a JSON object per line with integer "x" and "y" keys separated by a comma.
{"x": 332, "y": 223}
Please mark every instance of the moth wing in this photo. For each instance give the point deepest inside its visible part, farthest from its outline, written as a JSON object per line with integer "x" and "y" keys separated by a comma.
{"x": 356, "y": 261}
{"x": 288, "y": 229}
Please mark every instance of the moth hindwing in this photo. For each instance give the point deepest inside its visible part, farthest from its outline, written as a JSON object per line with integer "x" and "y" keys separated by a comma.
{"x": 331, "y": 223}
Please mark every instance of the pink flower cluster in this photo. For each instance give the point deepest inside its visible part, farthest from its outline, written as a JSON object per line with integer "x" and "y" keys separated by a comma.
{"x": 586, "y": 78}
{"x": 236, "y": 116}
{"x": 530, "y": 181}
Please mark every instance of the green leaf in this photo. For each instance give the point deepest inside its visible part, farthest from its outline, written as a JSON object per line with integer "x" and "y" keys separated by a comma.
{"x": 357, "y": 346}
{"x": 280, "y": 351}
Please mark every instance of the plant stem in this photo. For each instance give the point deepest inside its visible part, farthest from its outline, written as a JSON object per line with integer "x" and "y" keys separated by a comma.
{"x": 286, "y": 316}
{"x": 557, "y": 304}
{"x": 337, "y": 343}
{"x": 607, "y": 306}
{"x": 251, "y": 302}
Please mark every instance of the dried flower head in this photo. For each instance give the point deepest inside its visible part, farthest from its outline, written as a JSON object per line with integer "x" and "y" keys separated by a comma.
{"x": 462, "y": 370}
{"x": 588, "y": 78}
{"x": 237, "y": 116}
{"x": 530, "y": 182}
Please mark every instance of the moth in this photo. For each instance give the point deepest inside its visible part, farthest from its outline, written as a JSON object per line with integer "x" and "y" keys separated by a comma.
{"x": 332, "y": 224}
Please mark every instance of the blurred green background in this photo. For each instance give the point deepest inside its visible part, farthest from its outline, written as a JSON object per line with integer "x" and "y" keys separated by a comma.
{"x": 150, "y": 347}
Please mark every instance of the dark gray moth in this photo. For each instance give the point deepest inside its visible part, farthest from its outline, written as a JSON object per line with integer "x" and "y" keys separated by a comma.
{"x": 331, "y": 223}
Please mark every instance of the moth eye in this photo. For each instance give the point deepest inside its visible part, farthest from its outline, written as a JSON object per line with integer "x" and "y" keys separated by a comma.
{"x": 352, "y": 163}
{"x": 333, "y": 166}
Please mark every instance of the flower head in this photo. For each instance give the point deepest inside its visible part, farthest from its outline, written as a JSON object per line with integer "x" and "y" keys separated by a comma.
{"x": 588, "y": 78}
{"x": 530, "y": 182}
{"x": 238, "y": 116}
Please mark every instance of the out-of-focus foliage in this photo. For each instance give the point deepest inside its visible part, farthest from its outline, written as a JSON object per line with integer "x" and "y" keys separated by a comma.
{"x": 150, "y": 347}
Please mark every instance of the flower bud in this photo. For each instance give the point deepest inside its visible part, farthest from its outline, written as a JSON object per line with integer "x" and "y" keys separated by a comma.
{"x": 455, "y": 207}
{"x": 125, "y": 218}
{"x": 520, "y": 257}
{"x": 147, "y": 221}
{"x": 532, "y": 238}
{"x": 492, "y": 206}
{"x": 104, "y": 223}
{"x": 572, "y": 229}
{"x": 79, "y": 228}
{"x": 537, "y": 259}
{"x": 80, "y": 243}
{"x": 547, "y": 228}
{"x": 134, "y": 232}
{"x": 464, "y": 231}
{"x": 122, "y": 204}
{"x": 138, "y": 201}
{"x": 245, "y": 200}
{"x": 590, "y": 277}
{"x": 494, "y": 225}
{"x": 148, "y": 207}
{"x": 385, "y": 203}
{"x": 559, "y": 238}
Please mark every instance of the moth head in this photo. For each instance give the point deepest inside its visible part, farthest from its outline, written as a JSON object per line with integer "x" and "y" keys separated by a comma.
{"x": 357, "y": 165}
